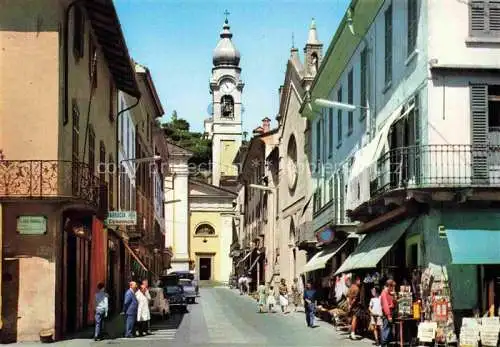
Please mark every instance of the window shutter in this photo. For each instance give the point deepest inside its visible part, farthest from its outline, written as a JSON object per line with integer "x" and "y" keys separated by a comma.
{"x": 341, "y": 197}
{"x": 494, "y": 17}
{"x": 477, "y": 20}
{"x": 479, "y": 125}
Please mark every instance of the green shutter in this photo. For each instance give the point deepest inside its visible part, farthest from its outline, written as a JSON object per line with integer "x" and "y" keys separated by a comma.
{"x": 479, "y": 126}
{"x": 341, "y": 197}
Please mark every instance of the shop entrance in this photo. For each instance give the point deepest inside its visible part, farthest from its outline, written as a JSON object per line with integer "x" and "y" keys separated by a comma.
{"x": 205, "y": 270}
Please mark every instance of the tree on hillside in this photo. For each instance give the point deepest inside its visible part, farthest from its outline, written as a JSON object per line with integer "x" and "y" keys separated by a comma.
{"x": 178, "y": 132}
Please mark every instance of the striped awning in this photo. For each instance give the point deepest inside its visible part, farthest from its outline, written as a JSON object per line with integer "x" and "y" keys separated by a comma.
{"x": 135, "y": 256}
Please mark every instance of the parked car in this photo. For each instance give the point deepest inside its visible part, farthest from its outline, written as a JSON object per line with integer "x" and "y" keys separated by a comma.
{"x": 189, "y": 290}
{"x": 175, "y": 296}
{"x": 187, "y": 275}
{"x": 159, "y": 304}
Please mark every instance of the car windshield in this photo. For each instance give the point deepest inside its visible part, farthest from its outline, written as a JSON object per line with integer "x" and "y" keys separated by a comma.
{"x": 173, "y": 290}
{"x": 185, "y": 275}
{"x": 185, "y": 282}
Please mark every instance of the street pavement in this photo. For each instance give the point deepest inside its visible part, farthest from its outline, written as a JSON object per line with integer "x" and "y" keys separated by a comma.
{"x": 223, "y": 318}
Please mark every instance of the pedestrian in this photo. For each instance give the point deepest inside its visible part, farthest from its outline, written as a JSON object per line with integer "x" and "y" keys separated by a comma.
{"x": 296, "y": 294}
{"x": 283, "y": 291}
{"x": 271, "y": 300}
{"x": 261, "y": 299}
{"x": 143, "y": 314}
{"x": 145, "y": 283}
{"x": 101, "y": 310}
{"x": 130, "y": 306}
{"x": 353, "y": 299}
{"x": 375, "y": 314}
{"x": 241, "y": 283}
{"x": 387, "y": 302}
{"x": 310, "y": 304}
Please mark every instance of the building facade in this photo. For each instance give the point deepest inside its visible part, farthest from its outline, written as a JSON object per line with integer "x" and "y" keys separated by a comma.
{"x": 53, "y": 231}
{"x": 423, "y": 188}
{"x": 146, "y": 234}
{"x": 177, "y": 207}
{"x": 211, "y": 224}
{"x": 259, "y": 179}
{"x": 294, "y": 186}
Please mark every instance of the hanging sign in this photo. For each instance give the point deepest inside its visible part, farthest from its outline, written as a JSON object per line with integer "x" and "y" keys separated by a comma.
{"x": 32, "y": 225}
{"x": 325, "y": 236}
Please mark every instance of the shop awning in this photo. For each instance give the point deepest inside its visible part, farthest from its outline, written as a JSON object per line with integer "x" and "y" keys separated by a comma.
{"x": 319, "y": 260}
{"x": 135, "y": 256}
{"x": 474, "y": 246}
{"x": 373, "y": 248}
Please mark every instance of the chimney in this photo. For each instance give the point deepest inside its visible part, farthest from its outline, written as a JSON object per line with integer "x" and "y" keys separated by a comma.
{"x": 266, "y": 124}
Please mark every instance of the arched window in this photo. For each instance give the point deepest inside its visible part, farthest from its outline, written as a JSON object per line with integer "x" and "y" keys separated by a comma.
{"x": 227, "y": 106}
{"x": 204, "y": 229}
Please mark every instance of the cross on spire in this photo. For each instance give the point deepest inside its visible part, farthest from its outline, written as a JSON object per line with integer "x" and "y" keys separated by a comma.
{"x": 293, "y": 40}
{"x": 226, "y": 13}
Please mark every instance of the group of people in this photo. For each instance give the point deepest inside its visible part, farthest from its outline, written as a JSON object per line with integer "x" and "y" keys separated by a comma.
{"x": 381, "y": 307}
{"x": 135, "y": 310}
{"x": 266, "y": 297}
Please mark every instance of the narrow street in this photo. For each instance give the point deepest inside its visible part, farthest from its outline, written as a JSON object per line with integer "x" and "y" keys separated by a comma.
{"x": 223, "y": 318}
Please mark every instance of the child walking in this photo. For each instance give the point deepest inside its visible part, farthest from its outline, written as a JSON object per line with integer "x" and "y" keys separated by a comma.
{"x": 375, "y": 314}
{"x": 271, "y": 300}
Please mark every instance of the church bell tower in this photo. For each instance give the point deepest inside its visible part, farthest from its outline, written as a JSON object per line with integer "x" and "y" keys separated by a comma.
{"x": 226, "y": 89}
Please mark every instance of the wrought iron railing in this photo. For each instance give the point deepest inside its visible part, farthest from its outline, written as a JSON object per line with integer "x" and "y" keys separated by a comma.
{"x": 48, "y": 179}
{"x": 436, "y": 166}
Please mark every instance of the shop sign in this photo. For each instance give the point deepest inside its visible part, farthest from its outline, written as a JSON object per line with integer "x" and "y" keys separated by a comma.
{"x": 442, "y": 232}
{"x": 325, "y": 236}
{"x": 122, "y": 218}
{"x": 31, "y": 225}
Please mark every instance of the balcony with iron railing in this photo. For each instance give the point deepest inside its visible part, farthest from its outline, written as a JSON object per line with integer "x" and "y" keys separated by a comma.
{"x": 50, "y": 179}
{"x": 435, "y": 167}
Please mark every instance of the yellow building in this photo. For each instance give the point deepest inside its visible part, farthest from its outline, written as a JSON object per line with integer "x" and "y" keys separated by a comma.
{"x": 211, "y": 230}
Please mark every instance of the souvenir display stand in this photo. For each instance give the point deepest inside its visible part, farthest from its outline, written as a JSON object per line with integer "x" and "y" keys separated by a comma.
{"x": 406, "y": 320}
{"x": 435, "y": 293}
{"x": 470, "y": 332}
{"x": 488, "y": 331}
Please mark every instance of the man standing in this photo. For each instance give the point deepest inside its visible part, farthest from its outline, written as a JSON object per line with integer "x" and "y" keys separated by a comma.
{"x": 387, "y": 302}
{"x": 309, "y": 304}
{"x": 130, "y": 307}
{"x": 101, "y": 310}
{"x": 145, "y": 283}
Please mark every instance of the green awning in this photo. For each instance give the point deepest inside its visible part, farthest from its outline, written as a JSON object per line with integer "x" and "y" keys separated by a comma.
{"x": 373, "y": 247}
{"x": 474, "y": 246}
{"x": 319, "y": 260}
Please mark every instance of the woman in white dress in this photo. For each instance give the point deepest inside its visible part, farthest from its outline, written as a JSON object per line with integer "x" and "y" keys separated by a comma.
{"x": 143, "y": 314}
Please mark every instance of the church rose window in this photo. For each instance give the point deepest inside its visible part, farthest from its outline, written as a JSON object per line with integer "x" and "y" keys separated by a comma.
{"x": 205, "y": 229}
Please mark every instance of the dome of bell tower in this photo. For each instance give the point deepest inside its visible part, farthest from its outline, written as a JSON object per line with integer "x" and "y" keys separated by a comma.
{"x": 225, "y": 53}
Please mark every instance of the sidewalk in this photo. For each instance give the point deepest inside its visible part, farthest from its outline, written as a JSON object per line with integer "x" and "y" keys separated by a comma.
{"x": 114, "y": 328}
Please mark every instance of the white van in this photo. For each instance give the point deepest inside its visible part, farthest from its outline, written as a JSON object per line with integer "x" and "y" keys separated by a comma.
{"x": 159, "y": 304}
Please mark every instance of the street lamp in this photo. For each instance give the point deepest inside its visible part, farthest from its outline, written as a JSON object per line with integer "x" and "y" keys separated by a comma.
{"x": 136, "y": 161}
{"x": 335, "y": 104}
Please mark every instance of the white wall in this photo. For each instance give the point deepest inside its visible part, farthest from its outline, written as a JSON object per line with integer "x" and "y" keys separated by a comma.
{"x": 451, "y": 43}
{"x": 126, "y": 130}
{"x": 409, "y": 75}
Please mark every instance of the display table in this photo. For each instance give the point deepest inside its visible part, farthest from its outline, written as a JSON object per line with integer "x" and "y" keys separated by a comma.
{"x": 406, "y": 330}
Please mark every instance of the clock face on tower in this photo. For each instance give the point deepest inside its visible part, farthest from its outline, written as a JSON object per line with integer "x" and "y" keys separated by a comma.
{"x": 227, "y": 86}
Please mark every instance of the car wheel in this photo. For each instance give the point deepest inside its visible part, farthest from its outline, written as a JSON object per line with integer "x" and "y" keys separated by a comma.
{"x": 185, "y": 309}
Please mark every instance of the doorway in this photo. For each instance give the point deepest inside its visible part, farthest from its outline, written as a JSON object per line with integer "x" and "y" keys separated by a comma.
{"x": 205, "y": 269}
